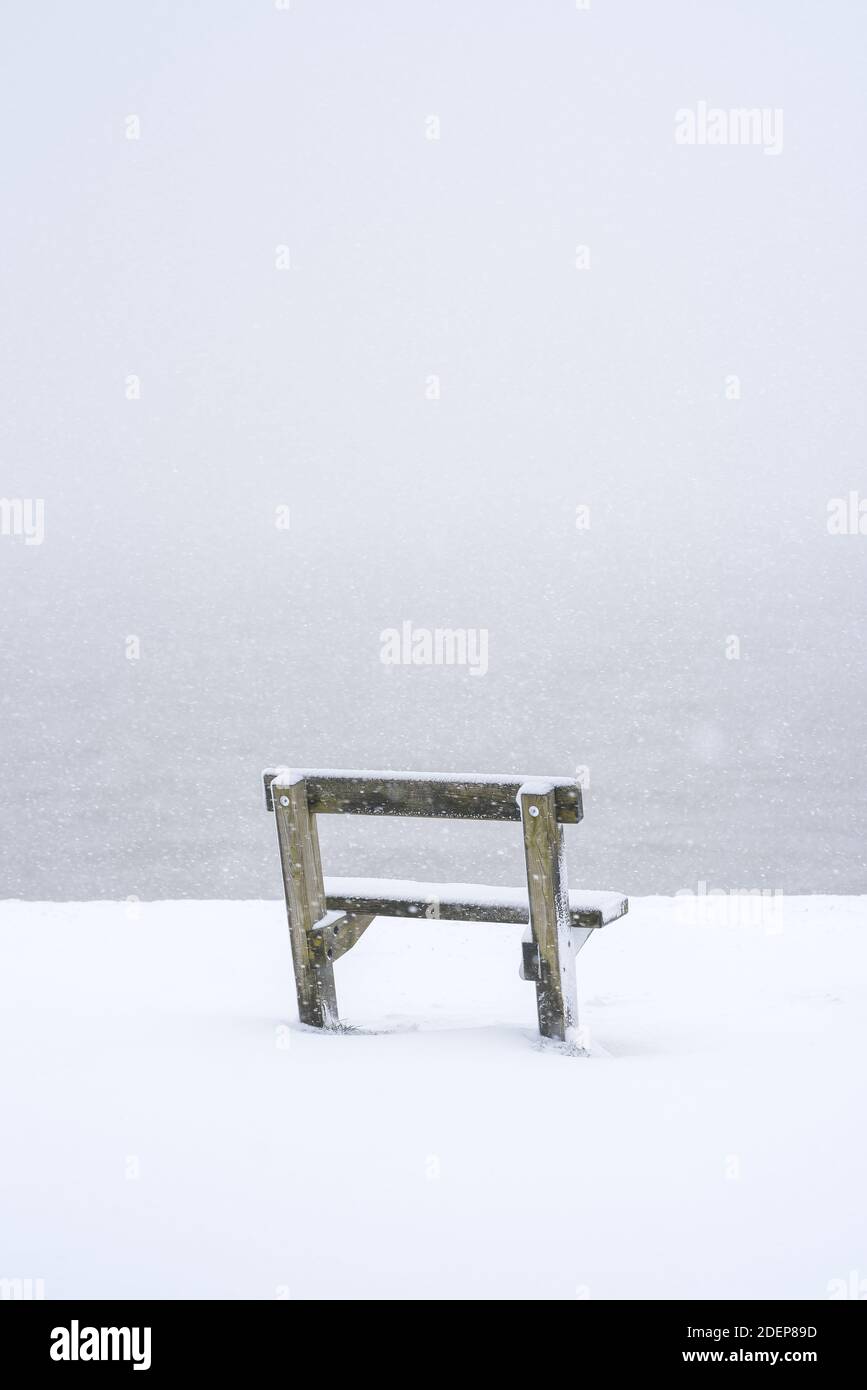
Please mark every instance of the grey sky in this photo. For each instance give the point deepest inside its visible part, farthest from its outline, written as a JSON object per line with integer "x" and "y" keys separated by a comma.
{"x": 309, "y": 387}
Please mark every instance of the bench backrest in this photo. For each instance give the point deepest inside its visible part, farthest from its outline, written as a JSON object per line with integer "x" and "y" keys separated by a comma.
{"x": 474, "y": 796}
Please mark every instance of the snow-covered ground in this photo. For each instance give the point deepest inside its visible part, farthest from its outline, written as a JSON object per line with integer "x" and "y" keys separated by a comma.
{"x": 170, "y": 1130}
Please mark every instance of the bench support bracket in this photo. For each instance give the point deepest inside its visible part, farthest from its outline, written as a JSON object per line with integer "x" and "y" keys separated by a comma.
{"x": 340, "y": 936}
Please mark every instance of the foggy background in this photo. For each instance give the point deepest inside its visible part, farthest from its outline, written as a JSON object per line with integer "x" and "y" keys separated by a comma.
{"x": 308, "y": 388}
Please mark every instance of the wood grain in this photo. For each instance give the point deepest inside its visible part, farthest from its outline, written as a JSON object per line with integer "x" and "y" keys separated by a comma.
{"x": 412, "y": 794}
{"x": 305, "y": 906}
{"x": 556, "y": 994}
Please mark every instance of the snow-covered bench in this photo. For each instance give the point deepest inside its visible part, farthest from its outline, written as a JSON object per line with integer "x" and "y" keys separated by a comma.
{"x": 558, "y": 921}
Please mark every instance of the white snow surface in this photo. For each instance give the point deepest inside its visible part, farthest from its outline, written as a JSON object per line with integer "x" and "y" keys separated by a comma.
{"x": 170, "y": 1130}
{"x": 288, "y": 775}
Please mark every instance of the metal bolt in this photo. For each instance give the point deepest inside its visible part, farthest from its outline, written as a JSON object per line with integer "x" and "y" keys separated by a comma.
{"x": 534, "y": 810}
{"x": 284, "y": 801}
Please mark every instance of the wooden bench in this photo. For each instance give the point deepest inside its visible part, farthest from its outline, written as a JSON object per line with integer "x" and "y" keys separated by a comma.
{"x": 558, "y": 921}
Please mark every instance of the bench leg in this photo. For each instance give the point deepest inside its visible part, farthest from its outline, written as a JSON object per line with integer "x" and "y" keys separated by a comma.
{"x": 305, "y": 905}
{"x": 550, "y": 924}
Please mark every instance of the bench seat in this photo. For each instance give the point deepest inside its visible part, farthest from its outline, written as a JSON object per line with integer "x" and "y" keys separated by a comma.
{"x": 461, "y": 902}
